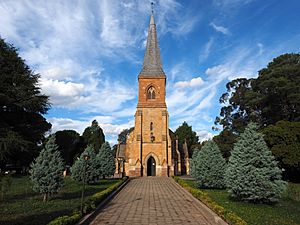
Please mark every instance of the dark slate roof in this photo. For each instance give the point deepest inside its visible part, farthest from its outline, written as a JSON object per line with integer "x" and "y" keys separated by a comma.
{"x": 152, "y": 65}
{"x": 121, "y": 151}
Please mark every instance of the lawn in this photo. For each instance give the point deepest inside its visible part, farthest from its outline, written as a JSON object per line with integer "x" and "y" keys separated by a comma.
{"x": 286, "y": 212}
{"x": 23, "y": 206}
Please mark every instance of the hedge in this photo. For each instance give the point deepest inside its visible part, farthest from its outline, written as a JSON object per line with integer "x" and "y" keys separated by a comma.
{"x": 226, "y": 214}
{"x": 89, "y": 205}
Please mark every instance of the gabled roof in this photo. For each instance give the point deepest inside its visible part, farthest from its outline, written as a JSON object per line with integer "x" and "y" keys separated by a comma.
{"x": 152, "y": 65}
{"x": 121, "y": 151}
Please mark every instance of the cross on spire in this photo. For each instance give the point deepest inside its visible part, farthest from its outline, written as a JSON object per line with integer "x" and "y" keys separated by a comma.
{"x": 152, "y": 7}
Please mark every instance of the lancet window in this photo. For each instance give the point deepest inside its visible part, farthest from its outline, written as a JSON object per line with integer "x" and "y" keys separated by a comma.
{"x": 151, "y": 93}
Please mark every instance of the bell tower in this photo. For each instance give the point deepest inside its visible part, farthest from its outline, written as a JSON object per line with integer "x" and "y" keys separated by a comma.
{"x": 151, "y": 148}
{"x": 151, "y": 118}
{"x": 152, "y": 79}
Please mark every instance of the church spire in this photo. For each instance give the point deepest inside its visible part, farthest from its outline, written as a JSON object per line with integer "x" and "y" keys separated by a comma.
{"x": 152, "y": 65}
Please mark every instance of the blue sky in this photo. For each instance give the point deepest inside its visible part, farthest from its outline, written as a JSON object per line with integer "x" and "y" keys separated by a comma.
{"x": 89, "y": 53}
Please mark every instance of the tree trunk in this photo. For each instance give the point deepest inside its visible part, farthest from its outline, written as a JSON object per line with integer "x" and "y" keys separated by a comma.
{"x": 45, "y": 197}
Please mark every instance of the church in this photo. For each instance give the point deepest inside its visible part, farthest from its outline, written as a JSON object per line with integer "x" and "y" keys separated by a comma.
{"x": 151, "y": 149}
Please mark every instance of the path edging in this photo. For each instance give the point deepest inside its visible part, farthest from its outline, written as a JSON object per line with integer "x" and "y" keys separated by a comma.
{"x": 98, "y": 199}
{"x": 225, "y": 214}
{"x": 89, "y": 217}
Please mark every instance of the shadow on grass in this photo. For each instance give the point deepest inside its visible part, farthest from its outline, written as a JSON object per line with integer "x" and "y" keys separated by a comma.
{"x": 36, "y": 219}
{"x": 19, "y": 197}
{"x": 77, "y": 194}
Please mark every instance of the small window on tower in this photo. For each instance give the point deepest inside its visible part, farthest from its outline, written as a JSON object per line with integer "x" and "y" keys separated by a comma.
{"x": 151, "y": 126}
{"x": 151, "y": 93}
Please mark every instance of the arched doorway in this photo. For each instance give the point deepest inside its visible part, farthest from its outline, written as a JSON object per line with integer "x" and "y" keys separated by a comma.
{"x": 151, "y": 166}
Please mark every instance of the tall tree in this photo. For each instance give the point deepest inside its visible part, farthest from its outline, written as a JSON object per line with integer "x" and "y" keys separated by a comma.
{"x": 277, "y": 90}
{"x": 208, "y": 166}
{"x": 283, "y": 138}
{"x": 271, "y": 97}
{"x": 94, "y": 136}
{"x": 107, "y": 160}
{"x": 86, "y": 167}
{"x": 252, "y": 172}
{"x": 69, "y": 144}
{"x": 235, "y": 115}
{"x": 47, "y": 170}
{"x": 225, "y": 140}
{"x": 185, "y": 133}
{"x": 22, "y": 105}
{"x": 122, "y": 137}
{"x": 193, "y": 162}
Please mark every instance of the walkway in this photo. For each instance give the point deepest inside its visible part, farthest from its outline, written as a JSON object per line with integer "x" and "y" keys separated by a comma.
{"x": 155, "y": 200}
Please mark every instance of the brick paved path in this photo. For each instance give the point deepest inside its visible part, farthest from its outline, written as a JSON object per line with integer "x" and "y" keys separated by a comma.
{"x": 155, "y": 200}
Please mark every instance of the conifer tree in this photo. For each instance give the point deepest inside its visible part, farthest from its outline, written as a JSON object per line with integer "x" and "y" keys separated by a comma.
{"x": 107, "y": 161}
{"x": 47, "y": 170}
{"x": 193, "y": 162}
{"x": 208, "y": 166}
{"x": 252, "y": 174}
{"x": 87, "y": 164}
{"x": 22, "y": 106}
{"x": 93, "y": 135}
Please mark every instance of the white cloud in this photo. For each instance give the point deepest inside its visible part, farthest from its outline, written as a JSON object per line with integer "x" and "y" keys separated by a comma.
{"x": 204, "y": 135}
{"x": 206, "y": 50}
{"x": 80, "y": 124}
{"x": 61, "y": 93}
{"x": 242, "y": 61}
{"x": 67, "y": 124}
{"x": 228, "y": 4}
{"x": 221, "y": 29}
{"x": 205, "y": 102}
{"x": 185, "y": 26}
{"x": 260, "y": 48}
{"x": 171, "y": 18}
{"x": 178, "y": 71}
{"x": 221, "y": 70}
{"x": 195, "y": 104}
{"x": 61, "y": 88}
{"x": 92, "y": 96}
{"x": 195, "y": 82}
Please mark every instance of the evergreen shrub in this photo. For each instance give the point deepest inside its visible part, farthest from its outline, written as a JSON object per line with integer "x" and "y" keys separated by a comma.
{"x": 208, "y": 166}
{"x": 252, "y": 173}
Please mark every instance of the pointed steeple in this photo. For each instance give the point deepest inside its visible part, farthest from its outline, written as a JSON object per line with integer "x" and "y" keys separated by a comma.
{"x": 152, "y": 65}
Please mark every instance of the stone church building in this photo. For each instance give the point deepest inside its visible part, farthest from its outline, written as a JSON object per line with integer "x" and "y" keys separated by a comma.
{"x": 151, "y": 148}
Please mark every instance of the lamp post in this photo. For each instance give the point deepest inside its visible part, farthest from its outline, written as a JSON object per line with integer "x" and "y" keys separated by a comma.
{"x": 86, "y": 158}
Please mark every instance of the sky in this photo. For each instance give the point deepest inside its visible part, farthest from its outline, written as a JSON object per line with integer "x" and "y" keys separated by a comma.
{"x": 89, "y": 54}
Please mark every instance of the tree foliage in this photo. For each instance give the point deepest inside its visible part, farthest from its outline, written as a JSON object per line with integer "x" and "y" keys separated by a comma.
{"x": 225, "y": 140}
{"x": 94, "y": 136}
{"x": 46, "y": 171}
{"x": 283, "y": 138}
{"x": 271, "y": 97}
{"x": 122, "y": 137}
{"x": 252, "y": 173}
{"x": 185, "y": 133}
{"x": 22, "y": 105}
{"x": 208, "y": 166}
{"x": 106, "y": 160}
{"x": 193, "y": 162}
{"x": 88, "y": 168}
{"x": 70, "y": 144}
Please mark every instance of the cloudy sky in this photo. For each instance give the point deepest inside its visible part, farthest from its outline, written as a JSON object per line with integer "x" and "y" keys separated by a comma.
{"x": 89, "y": 53}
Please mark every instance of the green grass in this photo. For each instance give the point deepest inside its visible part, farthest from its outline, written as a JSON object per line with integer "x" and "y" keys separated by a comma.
{"x": 286, "y": 212}
{"x": 23, "y": 206}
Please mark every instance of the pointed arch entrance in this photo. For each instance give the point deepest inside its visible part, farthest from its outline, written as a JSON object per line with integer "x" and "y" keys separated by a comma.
{"x": 151, "y": 166}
